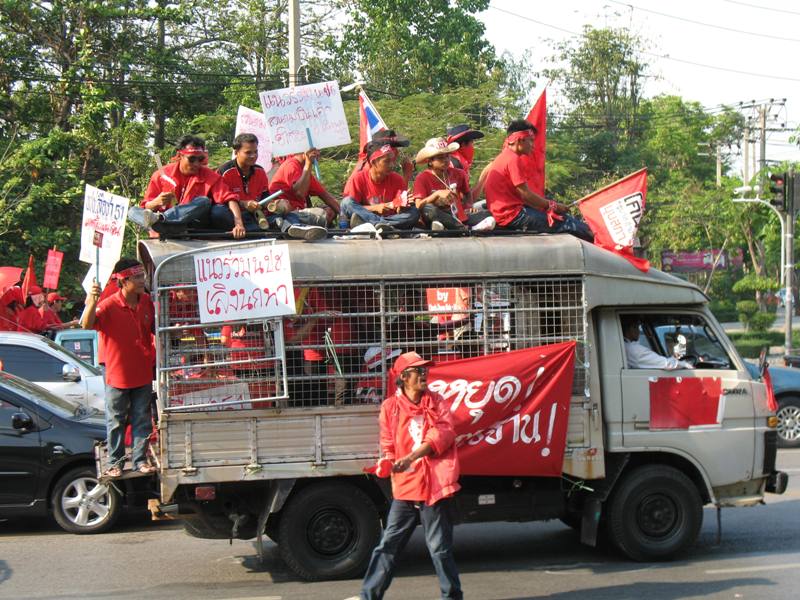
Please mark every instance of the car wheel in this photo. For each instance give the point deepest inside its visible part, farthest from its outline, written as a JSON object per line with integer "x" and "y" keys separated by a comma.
{"x": 328, "y": 531}
{"x": 655, "y": 513}
{"x": 789, "y": 422}
{"x": 81, "y": 504}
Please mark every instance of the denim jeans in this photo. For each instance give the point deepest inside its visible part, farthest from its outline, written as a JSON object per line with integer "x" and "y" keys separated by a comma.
{"x": 530, "y": 219}
{"x": 193, "y": 214}
{"x": 404, "y": 220}
{"x": 221, "y": 219}
{"x": 120, "y": 404}
{"x": 403, "y": 518}
{"x": 432, "y": 213}
{"x": 305, "y": 216}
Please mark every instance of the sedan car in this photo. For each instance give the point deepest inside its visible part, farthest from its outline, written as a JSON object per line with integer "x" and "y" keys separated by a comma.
{"x": 47, "y": 460}
{"x": 53, "y": 367}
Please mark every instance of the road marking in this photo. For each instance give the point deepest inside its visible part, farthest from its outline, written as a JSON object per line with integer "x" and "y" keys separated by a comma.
{"x": 753, "y": 569}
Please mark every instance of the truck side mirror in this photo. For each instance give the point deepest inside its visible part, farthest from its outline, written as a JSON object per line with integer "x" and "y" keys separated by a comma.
{"x": 70, "y": 373}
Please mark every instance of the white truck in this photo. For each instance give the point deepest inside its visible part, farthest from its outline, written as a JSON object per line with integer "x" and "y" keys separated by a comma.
{"x": 263, "y": 435}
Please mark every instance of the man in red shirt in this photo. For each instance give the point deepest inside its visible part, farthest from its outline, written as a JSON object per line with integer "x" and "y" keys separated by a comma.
{"x": 418, "y": 439}
{"x": 49, "y": 311}
{"x": 509, "y": 196}
{"x": 443, "y": 194}
{"x": 385, "y": 136}
{"x": 248, "y": 181}
{"x": 377, "y": 194}
{"x": 180, "y": 195}
{"x": 295, "y": 180}
{"x": 125, "y": 321}
{"x": 465, "y": 155}
{"x": 30, "y": 319}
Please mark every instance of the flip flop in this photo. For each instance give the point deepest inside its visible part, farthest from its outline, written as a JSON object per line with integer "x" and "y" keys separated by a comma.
{"x": 113, "y": 472}
{"x": 146, "y": 469}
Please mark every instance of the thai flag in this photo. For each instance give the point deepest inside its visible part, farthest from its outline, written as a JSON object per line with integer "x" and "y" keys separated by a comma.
{"x": 369, "y": 120}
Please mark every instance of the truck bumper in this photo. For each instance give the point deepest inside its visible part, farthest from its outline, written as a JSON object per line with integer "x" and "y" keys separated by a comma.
{"x": 777, "y": 482}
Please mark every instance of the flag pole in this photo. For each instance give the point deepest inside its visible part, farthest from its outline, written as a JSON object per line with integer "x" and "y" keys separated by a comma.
{"x": 311, "y": 145}
{"x": 602, "y": 189}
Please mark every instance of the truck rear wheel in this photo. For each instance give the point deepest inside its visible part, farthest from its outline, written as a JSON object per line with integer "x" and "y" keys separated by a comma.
{"x": 328, "y": 531}
{"x": 655, "y": 513}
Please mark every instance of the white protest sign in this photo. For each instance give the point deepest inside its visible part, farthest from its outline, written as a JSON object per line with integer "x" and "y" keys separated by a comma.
{"x": 105, "y": 272}
{"x": 252, "y": 121}
{"x": 318, "y": 107}
{"x": 103, "y": 213}
{"x": 254, "y": 282}
{"x": 228, "y": 394}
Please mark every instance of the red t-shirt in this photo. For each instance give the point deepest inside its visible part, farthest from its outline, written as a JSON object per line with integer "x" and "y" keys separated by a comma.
{"x": 126, "y": 335}
{"x": 244, "y": 338}
{"x": 253, "y": 187}
{"x": 364, "y": 190}
{"x": 427, "y": 182}
{"x": 188, "y": 187}
{"x": 508, "y": 171}
{"x": 30, "y": 320}
{"x": 8, "y": 319}
{"x": 286, "y": 176}
{"x": 49, "y": 317}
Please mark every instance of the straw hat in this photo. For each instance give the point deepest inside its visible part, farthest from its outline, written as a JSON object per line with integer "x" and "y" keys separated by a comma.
{"x": 435, "y": 147}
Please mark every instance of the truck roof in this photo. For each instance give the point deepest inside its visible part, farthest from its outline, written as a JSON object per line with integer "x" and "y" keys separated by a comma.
{"x": 609, "y": 279}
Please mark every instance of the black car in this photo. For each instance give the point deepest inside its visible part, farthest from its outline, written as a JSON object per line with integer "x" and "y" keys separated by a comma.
{"x": 47, "y": 459}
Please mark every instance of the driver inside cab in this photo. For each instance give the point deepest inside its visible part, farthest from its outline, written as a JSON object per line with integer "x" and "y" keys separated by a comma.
{"x": 640, "y": 357}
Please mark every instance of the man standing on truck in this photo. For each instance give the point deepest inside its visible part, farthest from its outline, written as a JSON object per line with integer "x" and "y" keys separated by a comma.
{"x": 125, "y": 321}
{"x": 509, "y": 196}
{"x": 417, "y": 436}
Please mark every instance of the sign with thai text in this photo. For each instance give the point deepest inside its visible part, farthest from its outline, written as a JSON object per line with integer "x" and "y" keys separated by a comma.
{"x": 252, "y": 121}
{"x": 253, "y": 282}
{"x": 52, "y": 269}
{"x": 104, "y": 214}
{"x": 230, "y": 396}
{"x": 290, "y": 111}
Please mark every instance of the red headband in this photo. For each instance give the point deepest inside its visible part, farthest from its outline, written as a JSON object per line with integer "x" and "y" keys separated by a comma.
{"x": 384, "y": 150}
{"x": 519, "y": 135}
{"x": 129, "y": 272}
{"x": 191, "y": 151}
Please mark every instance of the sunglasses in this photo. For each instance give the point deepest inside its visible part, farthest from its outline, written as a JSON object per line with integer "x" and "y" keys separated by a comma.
{"x": 195, "y": 159}
{"x": 417, "y": 370}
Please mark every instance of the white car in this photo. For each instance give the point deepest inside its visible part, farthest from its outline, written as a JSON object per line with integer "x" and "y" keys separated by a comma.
{"x": 53, "y": 367}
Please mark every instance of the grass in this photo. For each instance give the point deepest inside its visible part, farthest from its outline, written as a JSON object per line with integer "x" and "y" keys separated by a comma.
{"x": 749, "y": 344}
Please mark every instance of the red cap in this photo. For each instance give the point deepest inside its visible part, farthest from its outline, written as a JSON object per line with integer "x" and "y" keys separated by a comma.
{"x": 54, "y": 297}
{"x": 408, "y": 360}
{"x": 34, "y": 289}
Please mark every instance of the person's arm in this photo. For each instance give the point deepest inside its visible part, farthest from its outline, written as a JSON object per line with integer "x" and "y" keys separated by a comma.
{"x": 238, "y": 230}
{"x": 89, "y": 315}
{"x": 434, "y": 197}
{"x": 640, "y": 357}
{"x": 300, "y": 187}
{"x": 330, "y": 200}
{"x": 401, "y": 464}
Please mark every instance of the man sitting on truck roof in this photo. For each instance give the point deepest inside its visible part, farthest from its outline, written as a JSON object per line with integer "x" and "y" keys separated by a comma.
{"x": 640, "y": 357}
{"x": 510, "y": 198}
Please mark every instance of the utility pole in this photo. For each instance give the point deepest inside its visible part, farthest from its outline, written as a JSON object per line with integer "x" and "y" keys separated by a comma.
{"x": 746, "y": 157}
{"x": 762, "y": 124}
{"x": 719, "y": 166}
{"x": 294, "y": 42}
{"x": 789, "y": 266}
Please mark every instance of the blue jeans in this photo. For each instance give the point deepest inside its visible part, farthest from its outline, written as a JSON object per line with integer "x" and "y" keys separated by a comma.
{"x": 193, "y": 214}
{"x": 221, "y": 218}
{"x": 400, "y": 524}
{"x": 121, "y": 403}
{"x": 305, "y": 216}
{"x": 530, "y": 219}
{"x": 404, "y": 220}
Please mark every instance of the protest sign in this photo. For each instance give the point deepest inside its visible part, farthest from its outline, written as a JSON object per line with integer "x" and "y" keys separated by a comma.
{"x": 252, "y": 121}
{"x": 230, "y": 396}
{"x": 52, "y": 269}
{"x": 317, "y": 107}
{"x": 244, "y": 283}
{"x": 448, "y": 300}
{"x": 103, "y": 213}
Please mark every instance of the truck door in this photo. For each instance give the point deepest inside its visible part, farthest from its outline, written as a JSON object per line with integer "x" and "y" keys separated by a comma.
{"x": 682, "y": 390}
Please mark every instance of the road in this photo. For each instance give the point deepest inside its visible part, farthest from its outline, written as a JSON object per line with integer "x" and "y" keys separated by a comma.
{"x": 758, "y": 558}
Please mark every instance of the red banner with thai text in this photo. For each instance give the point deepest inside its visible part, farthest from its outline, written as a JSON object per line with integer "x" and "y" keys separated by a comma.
{"x": 52, "y": 269}
{"x": 510, "y": 409}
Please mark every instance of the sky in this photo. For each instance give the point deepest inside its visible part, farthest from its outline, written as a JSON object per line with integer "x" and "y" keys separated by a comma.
{"x": 711, "y": 51}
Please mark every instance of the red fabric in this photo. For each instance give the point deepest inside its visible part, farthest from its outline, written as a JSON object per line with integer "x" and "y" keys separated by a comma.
{"x": 519, "y": 135}
{"x": 126, "y": 336}
{"x": 9, "y": 276}
{"x": 683, "y": 402}
{"x": 538, "y": 118}
{"x": 364, "y": 190}
{"x": 49, "y": 317}
{"x": 465, "y": 158}
{"x": 772, "y": 403}
{"x": 8, "y": 319}
{"x": 30, "y": 320}
{"x": 30, "y": 278}
{"x": 242, "y": 338}
{"x": 426, "y": 183}
{"x": 287, "y": 175}
{"x": 52, "y": 269}
{"x": 404, "y": 426}
{"x": 508, "y": 171}
{"x": 256, "y": 186}
{"x": 613, "y": 214}
{"x": 186, "y": 188}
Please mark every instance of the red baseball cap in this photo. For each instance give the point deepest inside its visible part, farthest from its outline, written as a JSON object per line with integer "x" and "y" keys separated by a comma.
{"x": 54, "y": 297}
{"x": 34, "y": 289}
{"x": 408, "y": 360}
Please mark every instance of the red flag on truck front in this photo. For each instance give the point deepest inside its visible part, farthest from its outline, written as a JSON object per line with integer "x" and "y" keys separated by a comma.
{"x": 538, "y": 118}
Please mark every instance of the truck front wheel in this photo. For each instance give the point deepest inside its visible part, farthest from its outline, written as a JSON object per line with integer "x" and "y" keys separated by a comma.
{"x": 328, "y": 531}
{"x": 655, "y": 513}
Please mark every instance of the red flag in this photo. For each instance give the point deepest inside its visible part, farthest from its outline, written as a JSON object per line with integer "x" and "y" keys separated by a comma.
{"x": 30, "y": 278}
{"x": 538, "y": 118}
{"x": 510, "y": 409}
{"x": 772, "y": 403}
{"x": 613, "y": 214}
{"x": 9, "y": 276}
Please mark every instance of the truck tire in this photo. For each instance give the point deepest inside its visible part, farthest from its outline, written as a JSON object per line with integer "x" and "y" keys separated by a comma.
{"x": 200, "y": 529}
{"x": 328, "y": 531}
{"x": 789, "y": 422}
{"x": 655, "y": 513}
{"x": 81, "y": 504}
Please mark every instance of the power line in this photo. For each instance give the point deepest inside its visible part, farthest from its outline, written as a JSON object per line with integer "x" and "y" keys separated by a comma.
{"x": 777, "y": 10}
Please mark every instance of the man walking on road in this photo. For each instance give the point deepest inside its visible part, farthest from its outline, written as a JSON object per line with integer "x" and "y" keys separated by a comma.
{"x": 125, "y": 321}
{"x": 417, "y": 436}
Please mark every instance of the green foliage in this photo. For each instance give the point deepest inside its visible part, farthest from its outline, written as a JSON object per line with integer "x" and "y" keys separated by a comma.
{"x": 724, "y": 310}
{"x": 751, "y": 347}
{"x": 761, "y": 321}
{"x": 754, "y": 283}
{"x": 747, "y": 307}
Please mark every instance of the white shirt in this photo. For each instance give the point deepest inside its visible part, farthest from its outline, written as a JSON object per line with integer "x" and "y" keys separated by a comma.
{"x": 640, "y": 357}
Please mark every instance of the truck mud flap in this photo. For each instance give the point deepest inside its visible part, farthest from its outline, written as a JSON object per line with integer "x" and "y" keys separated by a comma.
{"x": 777, "y": 482}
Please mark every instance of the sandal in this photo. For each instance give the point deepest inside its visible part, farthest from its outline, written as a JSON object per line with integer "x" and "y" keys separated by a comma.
{"x": 146, "y": 469}
{"x": 113, "y": 472}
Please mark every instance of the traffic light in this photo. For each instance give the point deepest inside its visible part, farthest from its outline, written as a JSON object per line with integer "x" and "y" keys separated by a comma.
{"x": 777, "y": 190}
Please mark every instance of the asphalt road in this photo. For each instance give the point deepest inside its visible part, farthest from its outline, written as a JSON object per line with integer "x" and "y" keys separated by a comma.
{"x": 758, "y": 558}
